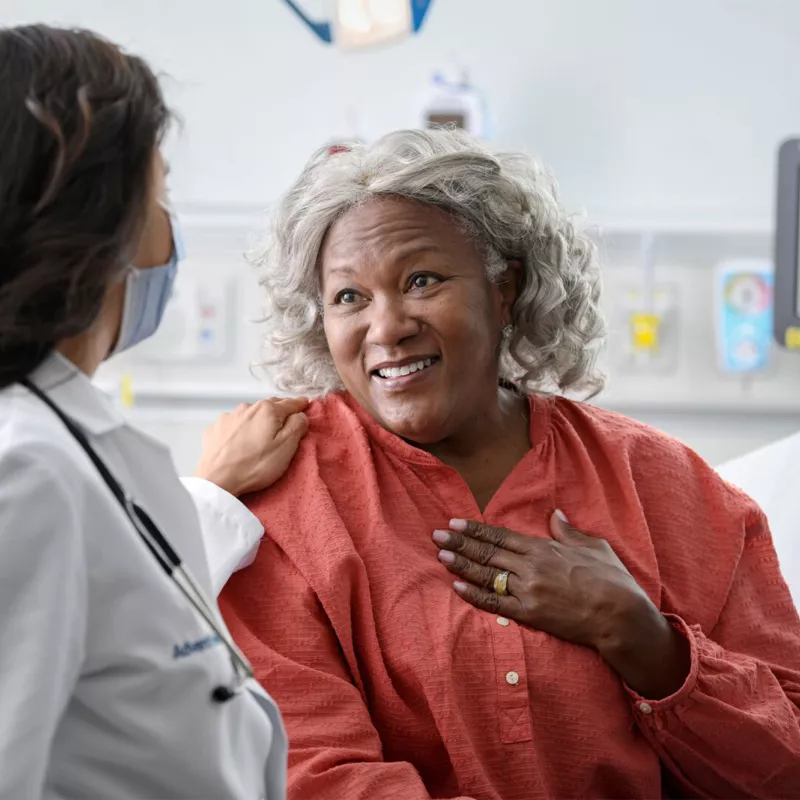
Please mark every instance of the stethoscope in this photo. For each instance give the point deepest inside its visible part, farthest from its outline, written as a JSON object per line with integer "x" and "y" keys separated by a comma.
{"x": 164, "y": 554}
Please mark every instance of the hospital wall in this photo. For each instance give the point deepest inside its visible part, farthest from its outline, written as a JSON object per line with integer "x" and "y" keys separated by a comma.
{"x": 658, "y": 119}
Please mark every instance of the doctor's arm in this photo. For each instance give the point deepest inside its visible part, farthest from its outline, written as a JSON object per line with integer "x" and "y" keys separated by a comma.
{"x": 43, "y": 613}
{"x": 245, "y": 451}
{"x": 276, "y": 618}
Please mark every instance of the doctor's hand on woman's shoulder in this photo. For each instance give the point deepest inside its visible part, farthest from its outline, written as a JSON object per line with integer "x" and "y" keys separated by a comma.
{"x": 250, "y": 448}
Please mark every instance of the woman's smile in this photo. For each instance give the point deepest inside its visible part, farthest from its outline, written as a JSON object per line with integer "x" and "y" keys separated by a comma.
{"x": 406, "y": 374}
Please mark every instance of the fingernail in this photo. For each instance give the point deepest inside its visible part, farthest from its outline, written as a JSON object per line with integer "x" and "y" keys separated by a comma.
{"x": 459, "y": 587}
{"x": 562, "y": 516}
{"x": 441, "y": 537}
{"x": 446, "y": 557}
{"x": 458, "y": 524}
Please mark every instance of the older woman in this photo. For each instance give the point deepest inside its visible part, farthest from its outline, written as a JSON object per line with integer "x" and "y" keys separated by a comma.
{"x": 433, "y": 293}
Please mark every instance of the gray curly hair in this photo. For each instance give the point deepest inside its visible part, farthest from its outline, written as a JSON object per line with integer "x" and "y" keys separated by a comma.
{"x": 505, "y": 200}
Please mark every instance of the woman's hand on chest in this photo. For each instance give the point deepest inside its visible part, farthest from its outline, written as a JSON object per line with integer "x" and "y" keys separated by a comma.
{"x": 573, "y": 587}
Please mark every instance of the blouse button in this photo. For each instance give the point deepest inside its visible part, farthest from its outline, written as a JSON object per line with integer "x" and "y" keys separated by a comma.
{"x": 645, "y": 708}
{"x": 503, "y": 621}
{"x": 512, "y": 678}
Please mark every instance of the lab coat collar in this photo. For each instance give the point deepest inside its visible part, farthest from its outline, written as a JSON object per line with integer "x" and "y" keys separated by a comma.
{"x": 73, "y": 392}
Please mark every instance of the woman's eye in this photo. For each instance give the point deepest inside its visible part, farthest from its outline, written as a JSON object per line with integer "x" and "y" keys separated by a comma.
{"x": 423, "y": 280}
{"x": 346, "y": 298}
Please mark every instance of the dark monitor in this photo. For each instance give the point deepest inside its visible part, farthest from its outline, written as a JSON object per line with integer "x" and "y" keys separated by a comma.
{"x": 787, "y": 247}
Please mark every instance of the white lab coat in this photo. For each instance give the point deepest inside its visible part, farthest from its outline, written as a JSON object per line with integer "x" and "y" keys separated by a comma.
{"x": 231, "y": 533}
{"x": 770, "y": 477}
{"x": 99, "y": 697}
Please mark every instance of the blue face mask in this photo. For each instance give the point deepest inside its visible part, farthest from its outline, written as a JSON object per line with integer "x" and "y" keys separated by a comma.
{"x": 147, "y": 292}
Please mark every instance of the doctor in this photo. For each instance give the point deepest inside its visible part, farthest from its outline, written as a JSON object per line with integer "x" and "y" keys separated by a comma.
{"x": 117, "y": 677}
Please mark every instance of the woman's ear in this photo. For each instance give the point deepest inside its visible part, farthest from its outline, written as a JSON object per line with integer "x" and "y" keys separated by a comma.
{"x": 509, "y": 284}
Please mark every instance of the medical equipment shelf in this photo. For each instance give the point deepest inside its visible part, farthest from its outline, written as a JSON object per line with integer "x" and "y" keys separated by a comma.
{"x": 691, "y": 225}
{"x": 203, "y": 397}
{"x": 782, "y": 408}
{"x": 251, "y": 218}
{"x": 194, "y": 393}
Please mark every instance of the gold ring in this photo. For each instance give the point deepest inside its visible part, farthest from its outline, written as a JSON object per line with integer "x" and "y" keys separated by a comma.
{"x": 501, "y": 584}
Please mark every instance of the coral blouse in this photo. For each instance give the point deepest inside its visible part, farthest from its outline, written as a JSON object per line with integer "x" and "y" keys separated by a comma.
{"x": 394, "y": 688}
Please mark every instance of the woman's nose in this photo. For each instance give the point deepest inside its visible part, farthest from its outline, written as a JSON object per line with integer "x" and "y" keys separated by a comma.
{"x": 390, "y": 322}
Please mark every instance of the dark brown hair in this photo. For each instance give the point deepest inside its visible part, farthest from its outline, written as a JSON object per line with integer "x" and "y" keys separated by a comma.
{"x": 79, "y": 124}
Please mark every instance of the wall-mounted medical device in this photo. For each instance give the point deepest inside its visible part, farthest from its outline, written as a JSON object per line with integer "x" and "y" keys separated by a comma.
{"x": 450, "y": 99}
{"x": 197, "y": 326}
{"x": 649, "y": 313}
{"x": 647, "y": 323}
{"x": 787, "y": 247}
{"x": 360, "y": 24}
{"x": 743, "y": 300}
